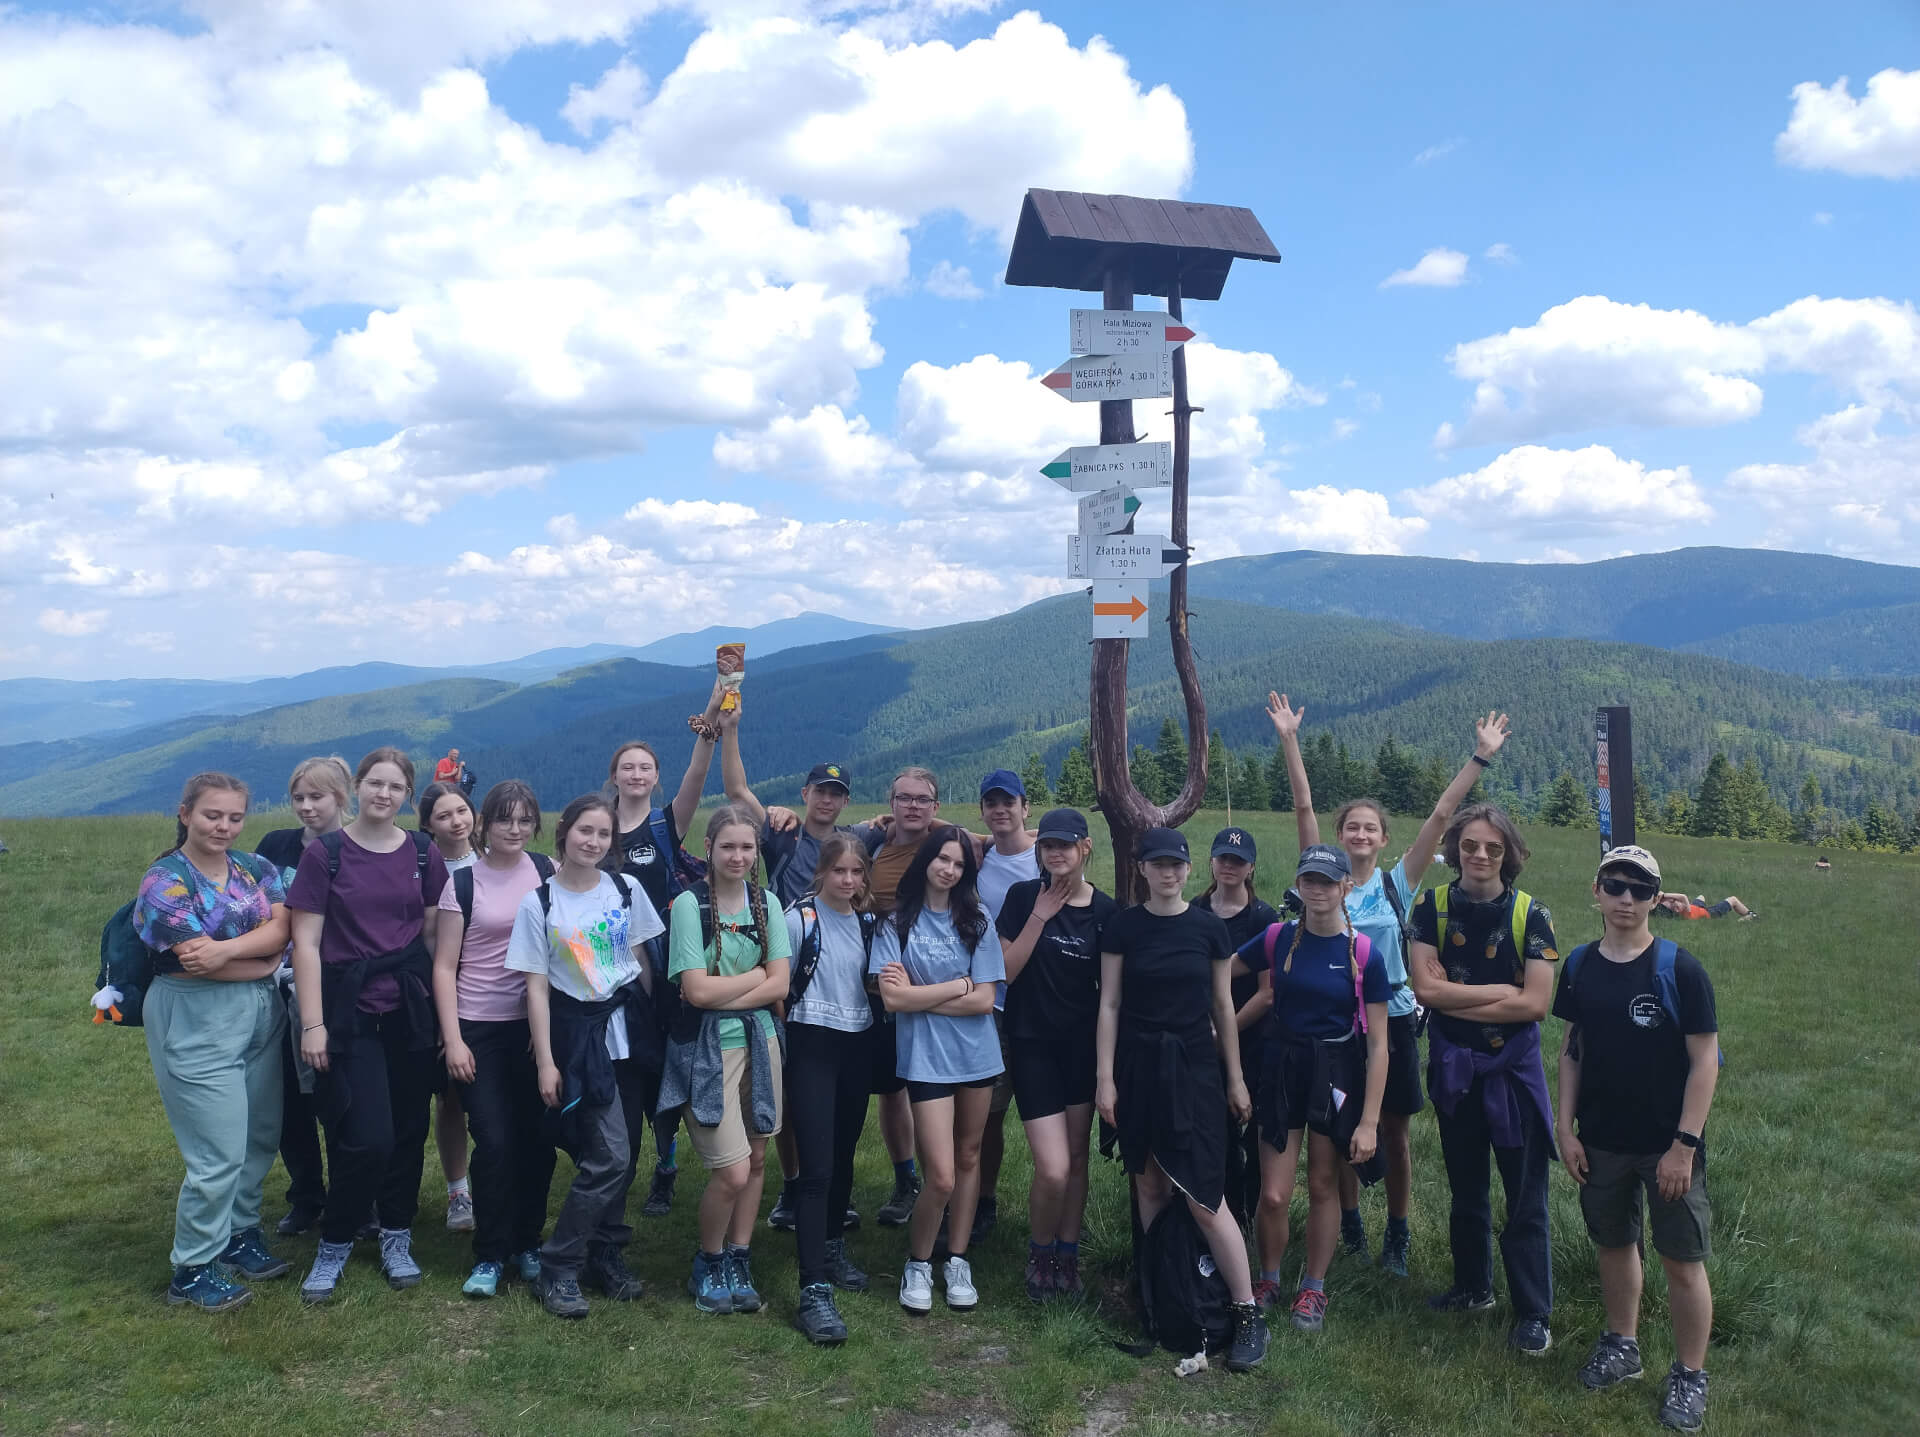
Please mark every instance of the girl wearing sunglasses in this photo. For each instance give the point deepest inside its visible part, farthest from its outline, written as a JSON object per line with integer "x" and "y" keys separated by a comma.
{"x": 1483, "y": 955}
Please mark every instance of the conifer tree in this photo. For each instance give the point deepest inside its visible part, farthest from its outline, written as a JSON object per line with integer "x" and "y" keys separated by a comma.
{"x": 1716, "y": 809}
{"x": 1250, "y": 783}
{"x": 1033, "y": 776}
{"x": 1219, "y": 776}
{"x": 1076, "y": 778}
{"x": 1566, "y": 803}
{"x": 1279, "y": 782}
{"x": 1171, "y": 753}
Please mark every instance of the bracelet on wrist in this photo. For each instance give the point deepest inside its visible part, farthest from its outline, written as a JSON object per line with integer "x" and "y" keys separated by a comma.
{"x": 1483, "y": 762}
{"x": 311, "y": 1026}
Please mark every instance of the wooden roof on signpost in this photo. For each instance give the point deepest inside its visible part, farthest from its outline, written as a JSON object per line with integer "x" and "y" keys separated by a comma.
{"x": 1066, "y": 239}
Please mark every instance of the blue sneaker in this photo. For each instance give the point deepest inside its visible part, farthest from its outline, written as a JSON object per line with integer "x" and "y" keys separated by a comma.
{"x": 708, "y": 1284}
{"x": 483, "y": 1281}
{"x": 207, "y": 1287}
{"x": 396, "y": 1257}
{"x": 247, "y": 1254}
{"x": 526, "y": 1265}
{"x": 746, "y": 1298}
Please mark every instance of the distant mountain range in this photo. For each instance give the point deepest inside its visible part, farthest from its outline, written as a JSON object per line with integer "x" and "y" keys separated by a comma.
{"x": 44, "y": 709}
{"x": 970, "y": 697}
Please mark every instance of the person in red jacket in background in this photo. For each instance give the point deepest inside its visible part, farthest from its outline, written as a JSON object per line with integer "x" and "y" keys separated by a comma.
{"x": 448, "y": 769}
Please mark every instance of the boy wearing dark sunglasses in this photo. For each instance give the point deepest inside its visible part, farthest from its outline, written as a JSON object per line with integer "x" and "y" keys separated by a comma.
{"x": 1637, "y": 1074}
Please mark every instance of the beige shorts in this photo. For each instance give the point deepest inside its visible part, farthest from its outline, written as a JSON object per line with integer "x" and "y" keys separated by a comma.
{"x": 726, "y": 1143}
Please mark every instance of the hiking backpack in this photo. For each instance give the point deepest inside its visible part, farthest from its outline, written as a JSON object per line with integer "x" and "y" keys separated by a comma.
{"x": 808, "y": 958}
{"x": 683, "y": 869}
{"x": 126, "y": 968}
{"x": 422, "y": 848}
{"x": 1666, "y": 987}
{"x": 1519, "y": 909}
{"x": 463, "y": 885}
{"x": 1184, "y": 1305}
{"x": 1362, "y": 950}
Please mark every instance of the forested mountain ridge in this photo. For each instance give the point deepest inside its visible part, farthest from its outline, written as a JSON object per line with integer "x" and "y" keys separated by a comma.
{"x": 971, "y": 697}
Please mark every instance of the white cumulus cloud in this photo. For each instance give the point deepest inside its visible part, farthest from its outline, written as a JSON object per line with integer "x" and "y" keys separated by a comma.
{"x": 1436, "y": 269}
{"x": 73, "y": 624}
{"x": 1568, "y": 492}
{"x": 1875, "y": 135}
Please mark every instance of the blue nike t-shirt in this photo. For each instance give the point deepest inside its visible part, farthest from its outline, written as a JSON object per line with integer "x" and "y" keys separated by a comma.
{"x": 1313, "y": 996}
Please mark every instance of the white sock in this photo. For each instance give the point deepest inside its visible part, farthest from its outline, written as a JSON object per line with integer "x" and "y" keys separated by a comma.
{"x": 458, "y": 1187}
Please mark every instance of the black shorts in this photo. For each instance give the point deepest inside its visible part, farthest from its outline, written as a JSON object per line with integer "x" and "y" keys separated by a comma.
{"x": 1286, "y": 1091}
{"x": 886, "y": 1058}
{"x": 1404, "y": 1095}
{"x": 1051, "y": 1075}
{"x": 933, "y": 1092}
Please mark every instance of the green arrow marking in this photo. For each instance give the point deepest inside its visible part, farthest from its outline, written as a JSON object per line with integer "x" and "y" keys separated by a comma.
{"x": 1131, "y": 506}
{"x": 1059, "y": 469}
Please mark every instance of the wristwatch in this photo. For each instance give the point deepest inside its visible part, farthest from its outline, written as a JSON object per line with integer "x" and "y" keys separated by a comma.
{"x": 1687, "y": 1139}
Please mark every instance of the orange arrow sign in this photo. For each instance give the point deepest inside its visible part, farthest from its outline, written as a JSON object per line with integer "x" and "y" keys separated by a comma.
{"x": 1130, "y": 611}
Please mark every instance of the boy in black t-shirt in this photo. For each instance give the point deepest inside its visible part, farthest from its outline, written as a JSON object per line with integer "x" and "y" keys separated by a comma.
{"x": 1637, "y": 1075}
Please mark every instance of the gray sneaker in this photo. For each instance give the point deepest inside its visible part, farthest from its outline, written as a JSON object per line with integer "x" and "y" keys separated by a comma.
{"x": 1684, "y": 1405}
{"x": 396, "y": 1257}
{"x": 1614, "y": 1359}
{"x": 329, "y": 1261}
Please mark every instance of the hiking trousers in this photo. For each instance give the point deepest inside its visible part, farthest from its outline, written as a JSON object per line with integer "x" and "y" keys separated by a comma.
{"x": 827, "y": 1073}
{"x": 378, "y": 1097}
{"x": 216, "y": 1060}
{"x": 1466, "y": 1143}
{"x": 512, "y": 1163}
{"x": 593, "y": 1218}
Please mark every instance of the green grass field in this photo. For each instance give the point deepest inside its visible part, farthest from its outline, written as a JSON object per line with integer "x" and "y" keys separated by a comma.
{"x": 1815, "y": 1183}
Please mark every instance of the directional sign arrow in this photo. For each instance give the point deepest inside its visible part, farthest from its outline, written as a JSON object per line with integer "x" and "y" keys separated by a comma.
{"x": 1128, "y": 556}
{"x": 1087, "y": 377}
{"x": 1108, "y": 512}
{"x": 1123, "y": 331}
{"x": 1133, "y": 608}
{"x": 1092, "y": 467}
{"x": 1119, "y": 608}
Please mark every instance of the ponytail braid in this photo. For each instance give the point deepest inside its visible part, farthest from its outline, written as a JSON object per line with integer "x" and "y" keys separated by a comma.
{"x": 1353, "y": 946}
{"x": 1299, "y": 924}
{"x": 757, "y": 908}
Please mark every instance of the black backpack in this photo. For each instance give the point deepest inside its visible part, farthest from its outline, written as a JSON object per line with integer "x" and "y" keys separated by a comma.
{"x": 422, "y": 847}
{"x": 463, "y": 886}
{"x": 1183, "y": 1299}
{"x": 808, "y": 958}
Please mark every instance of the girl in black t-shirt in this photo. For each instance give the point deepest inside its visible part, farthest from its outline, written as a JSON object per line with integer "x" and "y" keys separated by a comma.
{"x": 1165, "y": 1035}
{"x": 1050, "y": 935}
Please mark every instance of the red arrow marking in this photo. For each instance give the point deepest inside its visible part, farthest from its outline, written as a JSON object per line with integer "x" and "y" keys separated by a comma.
{"x": 1058, "y": 379}
{"x": 1178, "y": 334}
{"x": 1131, "y": 610}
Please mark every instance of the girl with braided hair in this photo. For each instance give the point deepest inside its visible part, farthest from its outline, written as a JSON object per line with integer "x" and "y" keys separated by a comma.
{"x": 729, "y": 955}
{"x": 1326, "y": 1042}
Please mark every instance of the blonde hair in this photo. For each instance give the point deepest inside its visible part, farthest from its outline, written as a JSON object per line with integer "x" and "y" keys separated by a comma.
{"x": 327, "y": 771}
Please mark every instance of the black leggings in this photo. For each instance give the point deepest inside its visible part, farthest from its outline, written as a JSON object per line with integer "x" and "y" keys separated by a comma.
{"x": 377, "y": 1096}
{"x": 512, "y": 1164}
{"x": 828, "y": 1073}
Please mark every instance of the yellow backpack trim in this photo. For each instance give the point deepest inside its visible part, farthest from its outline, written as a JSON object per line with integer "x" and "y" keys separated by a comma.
{"x": 1521, "y": 909}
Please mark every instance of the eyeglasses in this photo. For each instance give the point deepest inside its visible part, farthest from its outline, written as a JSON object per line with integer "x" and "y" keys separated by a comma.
{"x": 915, "y": 800}
{"x": 1473, "y": 848}
{"x": 1643, "y": 892}
{"x": 514, "y": 820}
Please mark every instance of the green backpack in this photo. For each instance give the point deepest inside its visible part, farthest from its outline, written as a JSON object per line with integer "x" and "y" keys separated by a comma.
{"x": 126, "y": 966}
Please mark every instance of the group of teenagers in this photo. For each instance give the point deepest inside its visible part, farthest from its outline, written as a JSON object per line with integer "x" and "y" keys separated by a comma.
{"x": 769, "y": 986}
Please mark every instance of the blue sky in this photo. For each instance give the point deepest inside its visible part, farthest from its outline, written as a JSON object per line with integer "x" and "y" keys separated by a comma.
{"x": 456, "y": 331}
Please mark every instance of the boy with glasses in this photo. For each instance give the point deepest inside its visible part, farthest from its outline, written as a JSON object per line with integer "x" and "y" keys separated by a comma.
{"x": 1637, "y": 1074}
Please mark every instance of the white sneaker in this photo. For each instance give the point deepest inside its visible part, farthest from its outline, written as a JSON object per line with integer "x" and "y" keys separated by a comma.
{"x": 962, "y": 1296}
{"x": 916, "y": 1287}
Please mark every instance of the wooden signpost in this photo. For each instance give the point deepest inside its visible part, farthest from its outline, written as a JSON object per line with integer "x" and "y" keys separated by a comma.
{"x": 1120, "y": 245}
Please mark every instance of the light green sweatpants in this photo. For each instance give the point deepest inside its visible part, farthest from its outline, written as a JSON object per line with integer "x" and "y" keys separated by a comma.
{"x": 216, "y": 1059}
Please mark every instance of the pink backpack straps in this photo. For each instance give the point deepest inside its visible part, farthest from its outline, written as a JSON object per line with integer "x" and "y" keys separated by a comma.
{"x": 1362, "y": 950}
{"x": 1271, "y": 937}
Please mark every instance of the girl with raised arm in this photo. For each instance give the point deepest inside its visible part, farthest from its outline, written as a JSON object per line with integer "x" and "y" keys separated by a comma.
{"x": 482, "y": 1008}
{"x": 1379, "y": 904}
{"x": 723, "y": 1072}
{"x": 364, "y": 903}
{"x": 217, "y": 924}
{"x": 1166, "y": 1036}
{"x": 1324, "y": 1071}
{"x": 937, "y": 960}
{"x": 321, "y": 793}
{"x": 580, "y": 938}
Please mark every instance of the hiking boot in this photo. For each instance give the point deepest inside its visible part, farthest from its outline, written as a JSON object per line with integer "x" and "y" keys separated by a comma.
{"x": 329, "y": 1261}
{"x": 962, "y": 1295}
{"x": 846, "y": 1276}
{"x": 851, "y": 1222}
{"x": 206, "y": 1287}
{"x": 746, "y": 1297}
{"x": 1614, "y": 1359}
{"x": 1066, "y": 1274}
{"x": 1683, "y": 1406}
{"x": 916, "y": 1287}
{"x": 608, "y": 1271}
{"x": 660, "y": 1195}
{"x": 246, "y": 1253}
{"x": 1530, "y": 1337}
{"x": 1040, "y": 1279}
{"x": 560, "y": 1294}
{"x": 1460, "y": 1299}
{"x": 1353, "y": 1238}
{"x": 460, "y": 1212}
{"x": 1309, "y": 1310}
{"x": 483, "y": 1281}
{"x": 986, "y": 1215}
{"x": 817, "y": 1318}
{"x": 396, "y": 1257}
{"x": 708, "y": 1284}
{"x": 1394, "y": 1251}
{"x": 297, "y": 1221}
{"x": 526, "y": 1265}
{"x": 782, "y": 1218}
{"x": 1266, "y": 1292}
{"x": 1249, "y": 1347}
{"x": 895, "y": 1211}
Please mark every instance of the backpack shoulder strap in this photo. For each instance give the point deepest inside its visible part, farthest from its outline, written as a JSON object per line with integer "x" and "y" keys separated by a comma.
{"x": 1572, "y": 967}
{"x": 1441, "y": 893}
{"x": 1522, "y": 909}
{"x": 330, "y": 843}
{"x": 545, "y": 890}
{"x": 422, "y": 854}
{"x": 1362, "y": 951}
{"x": 1394, "y": 900}
{"x": 624, "y": 882}
{"x": 668, "y": 849}
{"x": 1666, "y": 958}
{"x": 463, "y": 894}
{"x": 542, "y": 865}
{"x": 868, "y": 925}
{"x": 1267, "y": 941}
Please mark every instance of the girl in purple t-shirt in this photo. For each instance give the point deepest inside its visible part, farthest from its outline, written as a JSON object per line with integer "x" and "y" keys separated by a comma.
{"x": 482, "y": 1007}
{"x": 362, "y": 934}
